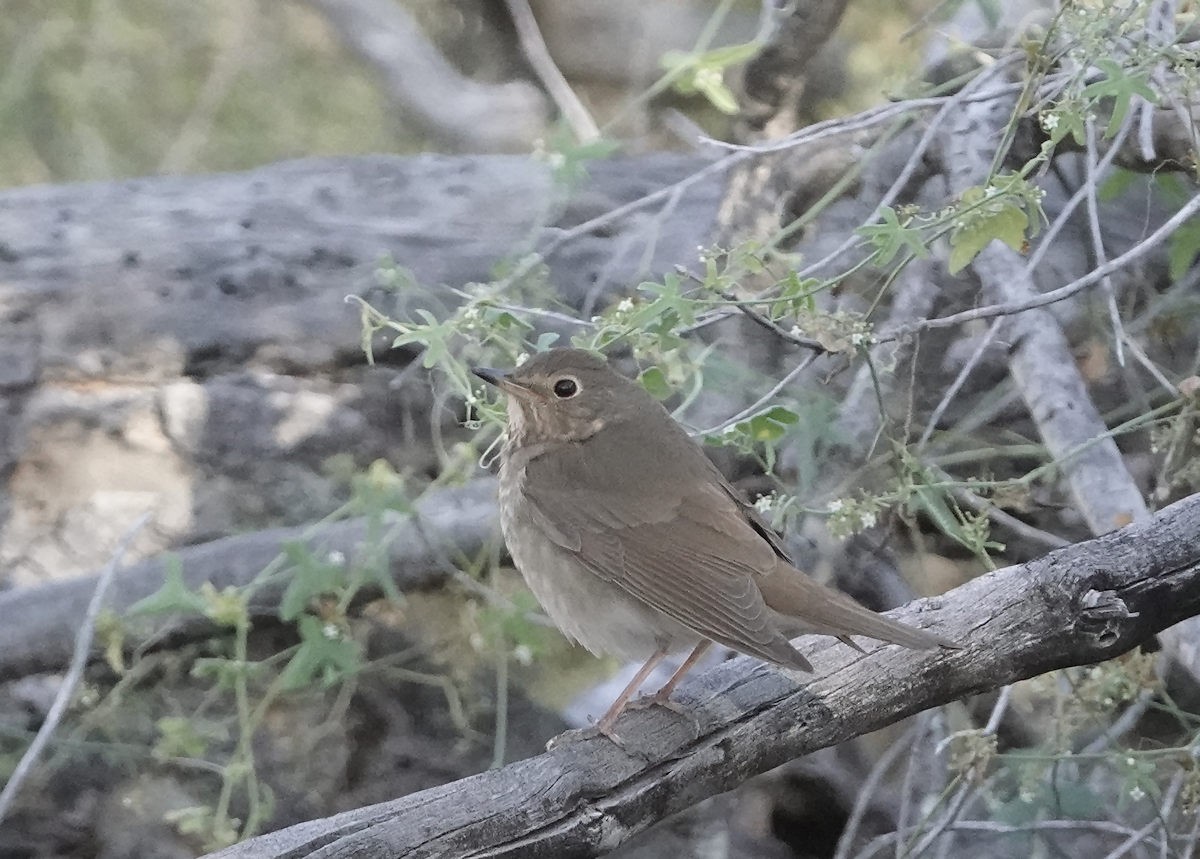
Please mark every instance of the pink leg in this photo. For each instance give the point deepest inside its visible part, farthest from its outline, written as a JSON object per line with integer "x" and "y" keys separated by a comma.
{"x": 605, "y": 725}
{"x": 663, "y": 695}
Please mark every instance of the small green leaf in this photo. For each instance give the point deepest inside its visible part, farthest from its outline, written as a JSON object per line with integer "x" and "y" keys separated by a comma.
{"x": 1120, "y": 85}
{"x": 1000, "y": 219}
{"x": 310, "y": 578}
{"x": 226, "y": 607}
{"x": 545, "y": 341}
{"x": 178, "y": 738}
{"x": 325, "y": 655}
{"x": 769, "y": 425}
{"x": 654, "y": 380}
{"x": 892, "y": 236}
{"x": 173, "y": 596}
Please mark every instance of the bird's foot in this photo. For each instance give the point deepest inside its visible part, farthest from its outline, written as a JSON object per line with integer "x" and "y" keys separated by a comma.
{"x": 600, "y": 729}
{"x": 657, "y": 700}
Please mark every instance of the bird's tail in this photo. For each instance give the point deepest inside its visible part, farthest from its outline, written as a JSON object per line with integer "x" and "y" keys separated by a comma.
{"x": 808, "y": 606}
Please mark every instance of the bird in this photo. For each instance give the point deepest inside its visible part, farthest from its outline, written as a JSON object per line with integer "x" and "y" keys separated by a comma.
{"x": 633, "y": 541}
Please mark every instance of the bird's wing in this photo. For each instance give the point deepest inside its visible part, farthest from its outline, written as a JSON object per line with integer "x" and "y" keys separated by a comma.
{"x": 663, "y": 531}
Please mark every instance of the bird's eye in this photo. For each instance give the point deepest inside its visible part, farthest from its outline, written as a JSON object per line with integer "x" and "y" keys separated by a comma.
{"x": 564, "y": 389}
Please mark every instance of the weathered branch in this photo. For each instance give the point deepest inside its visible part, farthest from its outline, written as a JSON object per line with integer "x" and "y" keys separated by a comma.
{"x": 40, "y": 624}
{"x": 1079, "y": 605}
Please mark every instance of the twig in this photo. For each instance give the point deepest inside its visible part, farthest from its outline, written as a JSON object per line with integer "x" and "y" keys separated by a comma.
{"x": 760, "y": 402}
{"x": 867, "y": 791}
{"x": 534, "y": 48}
{"x": 79, "y": 661}
{"x": 958, "y": 382}
{"x": 1186, "y": 213}
{"x": 1094, "y": 173}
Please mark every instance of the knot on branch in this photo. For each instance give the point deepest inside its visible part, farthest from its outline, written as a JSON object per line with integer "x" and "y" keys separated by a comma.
{"x": 1101, "y": 616}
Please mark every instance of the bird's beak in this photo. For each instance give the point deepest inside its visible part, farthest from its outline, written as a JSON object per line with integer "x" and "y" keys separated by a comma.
{"x": 504, "y": 382}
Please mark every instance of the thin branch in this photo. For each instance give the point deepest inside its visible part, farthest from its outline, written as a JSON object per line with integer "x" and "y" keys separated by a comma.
{"x": 1141, "y": 249}
{"x": 535, "y": 50}
{"x": 79, "y": 661}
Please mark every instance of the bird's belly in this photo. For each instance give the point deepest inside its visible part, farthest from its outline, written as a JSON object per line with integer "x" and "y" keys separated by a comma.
{"x": 599, "y": 615}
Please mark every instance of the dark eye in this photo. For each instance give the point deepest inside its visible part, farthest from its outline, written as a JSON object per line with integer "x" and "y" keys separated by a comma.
{"x": 564, "y": 389}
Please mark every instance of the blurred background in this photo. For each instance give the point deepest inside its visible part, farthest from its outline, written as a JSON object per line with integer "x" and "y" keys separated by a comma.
{"x": 118, "y": 88}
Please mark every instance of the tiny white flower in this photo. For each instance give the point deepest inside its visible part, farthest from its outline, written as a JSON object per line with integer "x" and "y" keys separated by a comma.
{"x": 1136, "y": 793}
{"x": 795, "y": 331}
{"x": 867, "y": 519}
{"x": 523, "y": 654}
{"x": 835, "y": 505}
{"x": 336, "y": 558}
{"x": 764, "y": 504}
{"x": 331, "y": 631}
{"x": 1049, "y": 121}
{"x": 625, "y": 305}
{"x": 522, "y": 358}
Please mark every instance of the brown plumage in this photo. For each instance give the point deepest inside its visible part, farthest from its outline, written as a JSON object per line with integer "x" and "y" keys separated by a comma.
{"x": 634, "y": 542}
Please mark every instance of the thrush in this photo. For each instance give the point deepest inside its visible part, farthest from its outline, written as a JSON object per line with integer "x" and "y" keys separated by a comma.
{"x": 634, "y": 542}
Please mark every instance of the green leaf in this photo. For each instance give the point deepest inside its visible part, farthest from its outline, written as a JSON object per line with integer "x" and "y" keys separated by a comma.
{"x": 226, "y": 607}
{"x": 310, "y": 578}
{"x": 770, "y": 425}
{"x": 892, "y": 236}
{"x": 654, "y": 380}
{"x": 999, "y": 219}
{"x": 324, "y": 655}
{"x": 1121, "y": 86}
{"x": 173, "y": 596}
{"x": 704, "y": 73}
{"x": 545, "y": 341}
{"x": 178, "y": 738}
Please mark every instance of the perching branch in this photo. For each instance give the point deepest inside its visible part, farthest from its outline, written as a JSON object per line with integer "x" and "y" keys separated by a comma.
{"x": 1088, "y": 602}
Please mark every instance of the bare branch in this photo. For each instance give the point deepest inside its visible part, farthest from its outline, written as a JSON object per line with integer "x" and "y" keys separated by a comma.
{"x": 534, "y": 47}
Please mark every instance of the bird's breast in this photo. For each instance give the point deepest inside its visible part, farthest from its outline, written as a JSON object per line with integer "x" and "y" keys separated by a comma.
{"x": 600, "y": 615}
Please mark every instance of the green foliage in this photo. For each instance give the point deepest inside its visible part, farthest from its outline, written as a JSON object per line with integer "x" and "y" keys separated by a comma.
{"x": 1121, "y": 85}
{"x": 893, "y": 236}
{"x": 205, "y": 101}
{"x": 569, "y": 159}
{"x": 1008, "y": 209}
{"x": 173, "y": 596}
{"x": 703, "y": 73}
{"x": 326, "y": 655}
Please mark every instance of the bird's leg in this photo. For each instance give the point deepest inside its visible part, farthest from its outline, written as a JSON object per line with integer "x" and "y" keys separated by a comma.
{"x": 605, "y": 725}
{"x": 663, "y": 696}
